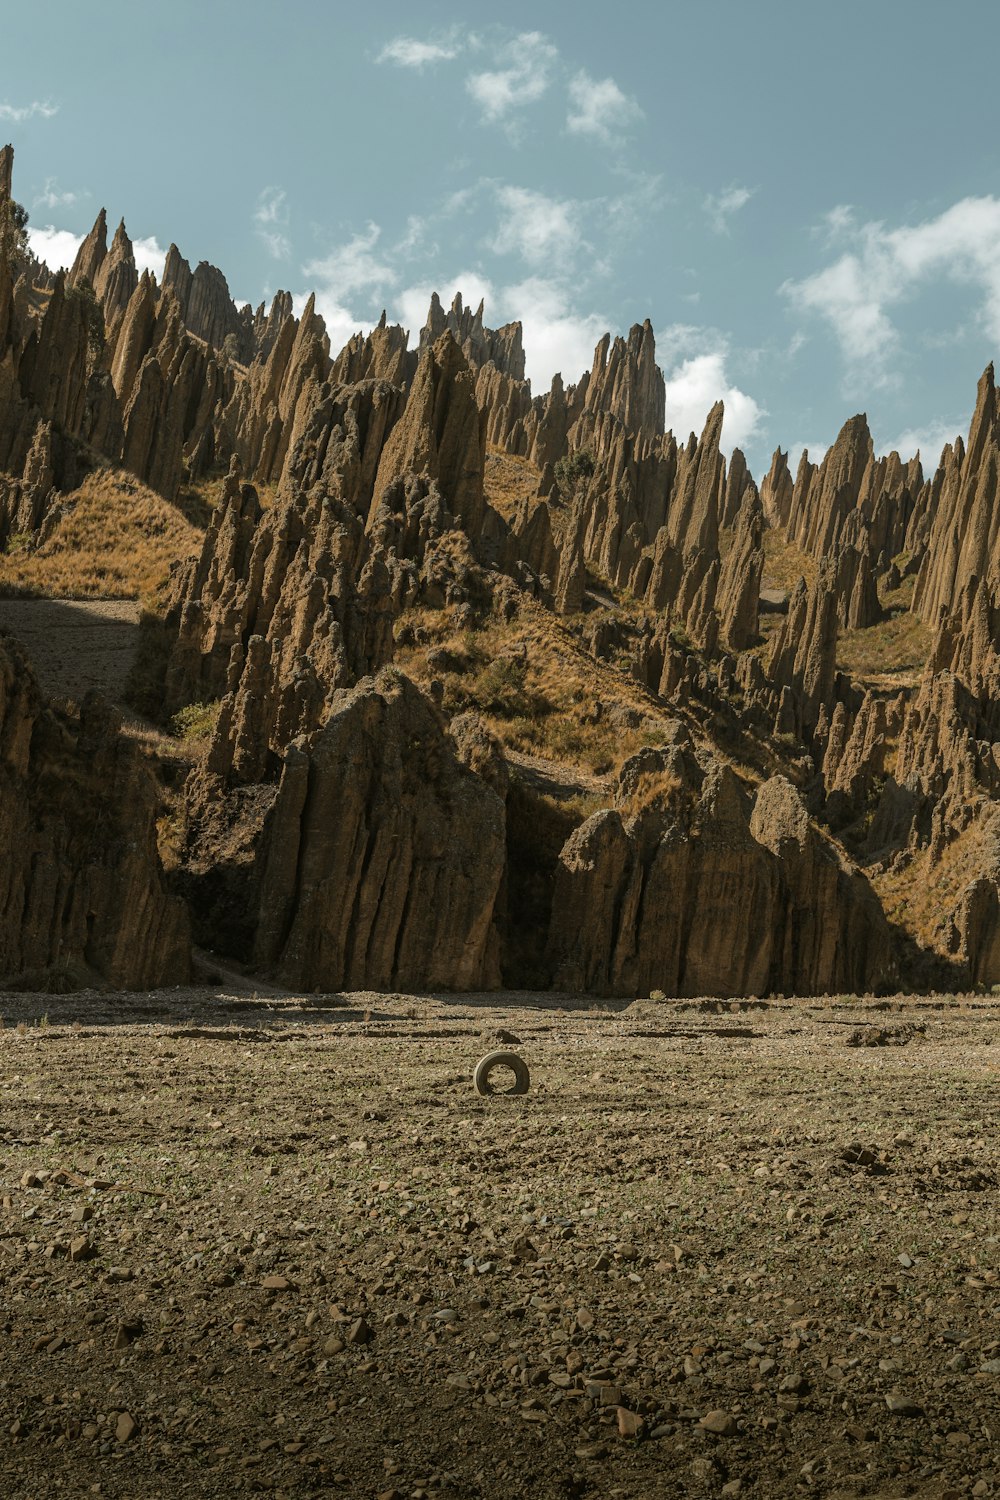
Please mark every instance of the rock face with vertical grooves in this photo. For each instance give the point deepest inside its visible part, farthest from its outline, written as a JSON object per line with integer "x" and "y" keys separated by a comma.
{"x": 384, "y": 855}
{"x": 962, "y": 540}
{"x": 687, "y": 886}
{"x": 82, "y": 894}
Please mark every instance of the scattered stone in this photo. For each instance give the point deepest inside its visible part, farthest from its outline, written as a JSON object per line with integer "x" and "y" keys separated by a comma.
{"x": 903, "y": 1406}
{"x": 630, "y": 1423}
{"x": 719, "y": 1422}
{"x": 126, "y": 1427}
{"x": 591, "y": 1451}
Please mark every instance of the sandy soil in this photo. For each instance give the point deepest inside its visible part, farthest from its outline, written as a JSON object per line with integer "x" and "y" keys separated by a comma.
{"x": 261, "y": 1244}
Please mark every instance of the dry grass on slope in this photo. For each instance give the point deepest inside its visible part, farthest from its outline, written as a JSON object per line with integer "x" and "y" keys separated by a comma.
{"x": 507, "y": 480}
{"x": 892, "y": 654}
{"x": 888, "y": 656}
{"x": 922, "y": 895}
{"x": 785, "y": 564}
{"x": 113, "y": 539}
{"x": 540, "y": 692}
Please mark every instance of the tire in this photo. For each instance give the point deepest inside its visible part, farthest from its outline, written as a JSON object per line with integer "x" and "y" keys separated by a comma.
{"x": 481, "y": 1077}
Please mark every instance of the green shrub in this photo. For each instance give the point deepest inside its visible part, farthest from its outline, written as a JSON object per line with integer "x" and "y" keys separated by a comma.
{"x": 574, "y": 467}
{"x": 500, "y": 687}
{"x": 195, "y": 722}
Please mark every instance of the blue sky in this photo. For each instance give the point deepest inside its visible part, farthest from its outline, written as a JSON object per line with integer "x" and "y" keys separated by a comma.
{"x": 803, "y": 198}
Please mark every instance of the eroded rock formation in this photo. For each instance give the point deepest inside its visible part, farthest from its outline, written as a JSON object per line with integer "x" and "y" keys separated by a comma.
{"x": 384, "y": 854}
{"x": 82, "y": 894}
{"x": 687, "y": 886}
{"x": 357, "y": 506}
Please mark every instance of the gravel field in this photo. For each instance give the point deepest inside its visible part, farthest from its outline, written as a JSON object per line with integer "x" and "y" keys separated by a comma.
{"x": 252, "y": 1243}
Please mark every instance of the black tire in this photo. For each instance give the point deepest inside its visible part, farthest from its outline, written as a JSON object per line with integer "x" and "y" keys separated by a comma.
{"x": 517, "y": 1065}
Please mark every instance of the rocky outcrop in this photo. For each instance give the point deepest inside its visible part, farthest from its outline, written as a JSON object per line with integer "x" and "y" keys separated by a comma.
{"x": 25, "y": 502}
{"x": 382, "y": 355}
{"x": 626, "y": 381}
{"x": 384, "y": 855}
{"x": 687, "y": 886}
{"x": 962, "y": 542}
{"x": 441, "y": 434}
{"x": 167, "y": 420}
{"x": 853, "y": 496}
{"x": 739, "y": 579}
{"x": 855, "y": 588}
{"x": 286, "y": 607}
{"x": 116, "y": 280}
{"x": 82, "y": 897}
{"x": 777, "y": 490}
{"x": 91, "y": 254}
{"x": 831, "y": 936}
{"x": 371, "y": 468}
{"x": 206, "y": 307}
{"x": 804, "y": 656}
{"x": 273, "y": 404}
{"x": 480, "y": 345}
{"x": 341, "y": 440}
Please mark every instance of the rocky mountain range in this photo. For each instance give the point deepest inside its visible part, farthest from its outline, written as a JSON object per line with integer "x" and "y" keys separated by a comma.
{"x": 405, "y": 661}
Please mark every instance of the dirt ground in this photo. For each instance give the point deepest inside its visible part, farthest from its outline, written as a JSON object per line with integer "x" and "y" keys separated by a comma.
{"x": 259, "y": 1244}
{"x": 76, "y": 644}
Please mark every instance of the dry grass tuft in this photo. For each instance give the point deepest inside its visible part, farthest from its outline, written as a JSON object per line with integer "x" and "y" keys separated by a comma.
{"x": 661, "y": 790}
{"x": 113, "y": 539}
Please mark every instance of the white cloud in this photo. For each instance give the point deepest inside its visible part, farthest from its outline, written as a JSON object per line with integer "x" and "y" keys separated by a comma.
{"x": 270, "y": 219}
{"x": 720, "y": 207}
{"x": 40, "y": 108}
{"x": 149, "y": 255}
{"x": 536, "y": 227}
{"x": 414, "y": 236}
{"x": 407, "y": 52}
{"x": 597, "y": 107}
{"x": 696, "y": 377}
{"x": 523, "y": 77}
{"x": 850, "y": 295}
{"x": 887, "y": 267}
{"x": 816, "y": 451}
{"x": 928, "y": 440}
{"x": 352, "y": 267}
{"x": 835, "y": 225}
{"x": 557, "y": 338}
{"x": 56, "y": 247}
{"x": 51, "y": 197}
